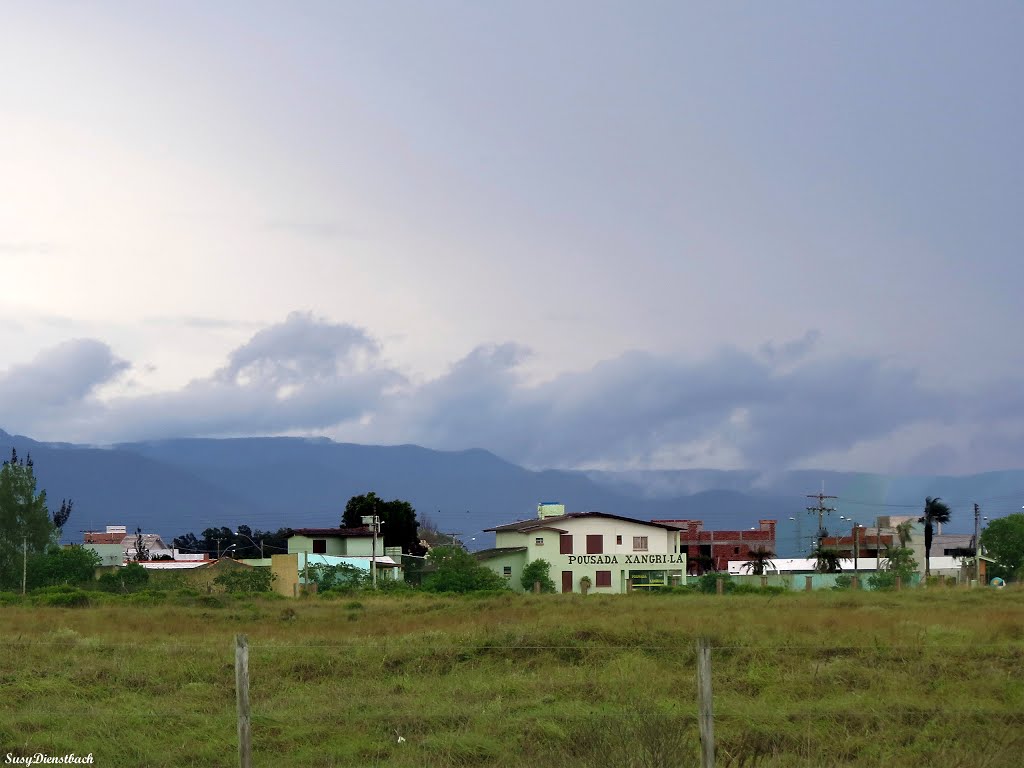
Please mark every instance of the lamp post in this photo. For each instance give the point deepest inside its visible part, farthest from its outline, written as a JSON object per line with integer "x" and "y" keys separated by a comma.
{"x": 224, "y": 553}
{"x": 239, "y": 533}
{"x": 799, "y": 538}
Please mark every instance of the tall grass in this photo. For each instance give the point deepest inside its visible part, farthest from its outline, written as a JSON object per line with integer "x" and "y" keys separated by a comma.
{"x": 840, "y": 679}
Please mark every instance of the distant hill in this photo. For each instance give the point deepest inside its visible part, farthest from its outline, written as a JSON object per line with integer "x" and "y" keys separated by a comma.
{"x": 172, "y": 487}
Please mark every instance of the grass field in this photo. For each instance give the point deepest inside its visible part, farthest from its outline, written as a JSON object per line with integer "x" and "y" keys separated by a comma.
{"x": 925, "y": 678}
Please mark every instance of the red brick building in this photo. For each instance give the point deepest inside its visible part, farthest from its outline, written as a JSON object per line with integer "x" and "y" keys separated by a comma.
{"x": 712, "y": 550}
{"x": 870, "y": 542}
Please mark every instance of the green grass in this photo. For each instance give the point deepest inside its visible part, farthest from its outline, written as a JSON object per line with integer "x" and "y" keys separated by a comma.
{"x": 824, "y": 679}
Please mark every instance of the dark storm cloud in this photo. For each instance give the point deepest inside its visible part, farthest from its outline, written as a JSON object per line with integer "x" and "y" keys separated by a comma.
{"x": 636, "y": 406}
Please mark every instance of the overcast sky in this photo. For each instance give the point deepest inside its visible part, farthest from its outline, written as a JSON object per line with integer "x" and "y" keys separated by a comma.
{"x": 577, "y": 234}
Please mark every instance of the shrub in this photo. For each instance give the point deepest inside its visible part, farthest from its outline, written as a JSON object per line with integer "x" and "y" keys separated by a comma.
{"x": 844, "y": 581}
{"x": 538, "y": 570}
{"x": 63, "y": 598}
{"x": 130, "y": 578}
{"x": 245, "y": 580}
{"x": 455, "y": 570}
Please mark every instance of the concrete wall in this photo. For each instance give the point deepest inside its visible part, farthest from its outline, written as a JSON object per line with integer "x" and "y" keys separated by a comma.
{"x": 286, "y": 571}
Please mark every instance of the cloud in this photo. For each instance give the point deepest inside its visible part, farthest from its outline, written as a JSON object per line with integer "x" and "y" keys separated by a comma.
{"x": 301, "y": 374}
{"x": 60, "y": 376}
{"x": 638, "y": 407}
{"x": 770, "y": 409}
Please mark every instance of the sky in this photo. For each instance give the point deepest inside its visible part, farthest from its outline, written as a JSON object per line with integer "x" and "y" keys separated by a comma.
{"x": 577, "y": 234}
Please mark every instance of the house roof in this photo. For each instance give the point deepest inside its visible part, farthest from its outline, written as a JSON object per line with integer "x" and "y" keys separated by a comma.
{"x": 489, "y": 554}
{"x": 524, "y": 526}
{"x": 340, "y": 533}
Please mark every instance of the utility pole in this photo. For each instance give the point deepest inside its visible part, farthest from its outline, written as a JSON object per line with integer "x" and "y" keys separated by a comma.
{"x": 822, "y": 510}
{"x": 218, "y": 547}
{"x": 856, "y": 550}
{"x": 374, "y": 522}
{"x": 977, "y": 546}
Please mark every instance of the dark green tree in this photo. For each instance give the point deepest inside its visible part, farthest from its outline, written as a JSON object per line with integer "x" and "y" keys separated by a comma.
{"x": 398, "y": 520}
{"x": 935, "y": 511}
{"x": 1003, "y": 540}
{"x": 456, "y": 570}
{"x": 25, "y": 523}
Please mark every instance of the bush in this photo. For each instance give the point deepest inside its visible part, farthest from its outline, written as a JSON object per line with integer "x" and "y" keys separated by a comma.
{"x": 708, "y": 583}
{"x": 129, "y": 578}
{"x": 61, "y": 598}
{"x": 245, "y": 580}
{"x": 455, "y": 570}
{"x": 62, "y": 565}
{"x": 844, "y": 581}
{"x": 538, "y": 570}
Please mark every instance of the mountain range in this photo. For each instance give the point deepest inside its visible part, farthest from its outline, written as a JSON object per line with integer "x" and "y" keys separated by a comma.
{"x": 176, "y": 486}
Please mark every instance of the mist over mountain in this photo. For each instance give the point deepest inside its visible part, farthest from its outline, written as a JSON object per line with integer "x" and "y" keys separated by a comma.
{"x": 175, "y": 486}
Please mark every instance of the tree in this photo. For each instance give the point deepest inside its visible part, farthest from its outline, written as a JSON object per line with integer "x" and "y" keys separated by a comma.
{"x": 141, "y": 550}
{"x": 62, "y": 565}
{"x": 537, "y": 570}
{"x": 1003, "y": 540}
{"x": 60, "y": 517}
{"x": 935, "y": 511}
{"x": 903, "y": 532}
{"x": 456, "y": 570}
{"x": 898, "y": 561}
{"x": 398, "y": 520}
{"x": 828, "y": 561}
{"x": 25, "y": 525}
{"x": 759, "y": 560}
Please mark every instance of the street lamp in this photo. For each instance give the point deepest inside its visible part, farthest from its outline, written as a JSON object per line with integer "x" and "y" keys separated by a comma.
{"x": 222, "y": 554}
{"x": 239, "y": 533}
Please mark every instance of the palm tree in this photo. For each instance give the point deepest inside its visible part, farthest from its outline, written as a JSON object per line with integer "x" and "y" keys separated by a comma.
{"x": 935, "y": 511}
{"x": 903, "y": 531}
{"x": 828, "y": 561}
{"x": 759, "y": 560}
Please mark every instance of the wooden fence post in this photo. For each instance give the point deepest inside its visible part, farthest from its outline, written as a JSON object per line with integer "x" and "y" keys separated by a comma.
{"x": 536, "y": 587}
{"x": 899, "y": 583}
{"x": 719, "y": 586}
{"x": 242, "y": 697}
{"x": 706, "y": 713}
{"x": 808, "y": 583}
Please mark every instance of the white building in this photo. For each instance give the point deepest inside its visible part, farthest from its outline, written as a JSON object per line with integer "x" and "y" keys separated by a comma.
{"x": 613, "y": 553}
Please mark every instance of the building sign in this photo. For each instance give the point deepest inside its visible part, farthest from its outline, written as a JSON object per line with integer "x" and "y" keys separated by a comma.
{"x": 627, "y": 559}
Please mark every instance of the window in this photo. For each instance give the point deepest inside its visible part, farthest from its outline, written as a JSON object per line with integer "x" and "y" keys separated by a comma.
{"x": 507, "y": 573}
{"x": 618, "y": 540}
{"x": 639, "y": 543}
{"x": 539, "y": 541}
{"x": 319, "y": 546}
{"x": 604, "y": 578}
{"x": 565, "y": 544}
{"x": 735, "y": 550}
{"x": 595, "y": 544}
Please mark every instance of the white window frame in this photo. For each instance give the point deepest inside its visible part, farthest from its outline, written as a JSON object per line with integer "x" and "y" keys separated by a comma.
{"x": 640, "y": 544}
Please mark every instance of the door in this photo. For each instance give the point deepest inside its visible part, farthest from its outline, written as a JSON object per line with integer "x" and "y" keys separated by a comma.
{"x": 567, "y": 581}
